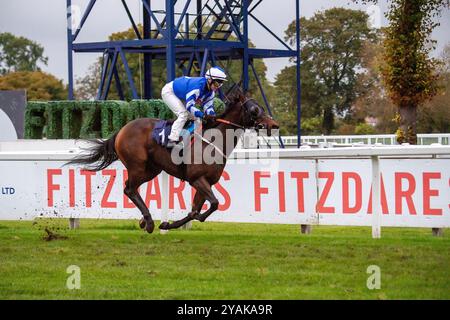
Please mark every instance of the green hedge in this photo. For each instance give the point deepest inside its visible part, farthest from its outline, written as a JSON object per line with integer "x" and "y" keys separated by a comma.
{"x": 90, "y": 119}
{"x": 35, "y": 120}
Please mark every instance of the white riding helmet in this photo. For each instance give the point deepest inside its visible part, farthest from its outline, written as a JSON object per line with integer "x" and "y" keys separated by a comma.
{"x": 216, "y": 73}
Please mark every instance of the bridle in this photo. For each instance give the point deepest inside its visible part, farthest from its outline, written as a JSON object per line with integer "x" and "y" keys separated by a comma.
{"x": 252, "y": 117}
{"x": 246, "y": 111}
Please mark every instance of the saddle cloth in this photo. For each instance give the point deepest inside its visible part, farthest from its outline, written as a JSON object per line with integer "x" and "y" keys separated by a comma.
{"x": 162, "y": 129}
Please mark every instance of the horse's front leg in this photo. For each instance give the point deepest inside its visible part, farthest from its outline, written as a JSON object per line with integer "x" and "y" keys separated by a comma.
{"x": 204, "y": 188}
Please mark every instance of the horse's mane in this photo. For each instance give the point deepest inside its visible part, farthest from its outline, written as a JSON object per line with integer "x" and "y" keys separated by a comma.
{"x": 232, "y": 98}
{"x": 229, "y": 106}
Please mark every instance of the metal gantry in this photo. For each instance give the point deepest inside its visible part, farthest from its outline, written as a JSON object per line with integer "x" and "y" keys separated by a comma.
{"x": 205, "y": 31}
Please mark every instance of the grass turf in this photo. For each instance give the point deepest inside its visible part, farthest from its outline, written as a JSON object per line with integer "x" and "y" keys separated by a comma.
{"x": 220, "y": 261}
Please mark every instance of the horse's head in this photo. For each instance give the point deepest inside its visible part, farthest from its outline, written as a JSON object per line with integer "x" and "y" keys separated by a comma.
{"x": 252, "y": 115}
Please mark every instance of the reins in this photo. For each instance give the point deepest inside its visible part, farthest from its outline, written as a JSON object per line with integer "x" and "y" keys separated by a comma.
{"x": 232, "y": 123}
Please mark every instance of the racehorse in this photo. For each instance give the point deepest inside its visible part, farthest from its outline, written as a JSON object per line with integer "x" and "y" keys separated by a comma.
{"x": 145, "y": 159}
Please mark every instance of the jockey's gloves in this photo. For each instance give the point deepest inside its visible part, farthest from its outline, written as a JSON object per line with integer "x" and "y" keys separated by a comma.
{"x": 198, "y": 114}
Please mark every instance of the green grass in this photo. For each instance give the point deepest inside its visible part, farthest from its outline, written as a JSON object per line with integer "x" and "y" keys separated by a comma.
{"x": 220, "y": 261}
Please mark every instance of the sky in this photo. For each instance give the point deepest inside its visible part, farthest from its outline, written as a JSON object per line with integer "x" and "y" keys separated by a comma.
{"x": 44, "y": 21}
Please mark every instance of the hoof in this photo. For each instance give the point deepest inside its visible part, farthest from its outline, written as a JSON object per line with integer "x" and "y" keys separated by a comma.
{"x": 164, "y": 226}
{"x": 142, "y": 223}
{"x": 149, "y": 226}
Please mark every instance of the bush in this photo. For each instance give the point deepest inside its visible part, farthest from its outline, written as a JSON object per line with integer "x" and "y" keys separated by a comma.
{"x": 39, "y": 85}
{"x": 364, "y": 129}
{"x": 312, "y": 126}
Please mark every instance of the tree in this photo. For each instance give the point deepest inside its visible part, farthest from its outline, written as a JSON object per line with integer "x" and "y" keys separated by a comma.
{"x": 332, "y": 43}
{"x": 19, "y": 54}
{"x": 434, "y": 116}
{"x": 373, "y": 100}
{"x": 409, "y": 73}
{"x": 39, "y": 85}
{"x": 86, "y": 87}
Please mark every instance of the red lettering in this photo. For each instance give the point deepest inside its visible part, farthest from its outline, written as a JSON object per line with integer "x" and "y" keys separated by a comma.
{"x": 320, "y": 208}
{"x": 227, "y": 200}
{"x": 428, "y": 193}
{"x": 281, "y": 192}
{"x": 71, "y": 188}
{"x": 178, "y": 191}
{"x": 88, "y": 180}
{"x": 300, "y": 189}
{"x": 51, "y": 186}
{"x": 257, "y": 175}
{"x": 105, "y": 203}
{"x": 407, "y": 194}
{"x": 384, "y": 206}
{"x": 149, "y": 196}
{"x": 346, "y": 176}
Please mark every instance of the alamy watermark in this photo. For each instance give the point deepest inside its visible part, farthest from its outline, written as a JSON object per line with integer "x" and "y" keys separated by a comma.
{"x": 374, "y": 280}
{"x": 215, "y": 147}
{"x": 73, "y": 282}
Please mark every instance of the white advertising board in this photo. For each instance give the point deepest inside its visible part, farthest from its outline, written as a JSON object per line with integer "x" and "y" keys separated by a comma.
{"x": 414, "y": 192}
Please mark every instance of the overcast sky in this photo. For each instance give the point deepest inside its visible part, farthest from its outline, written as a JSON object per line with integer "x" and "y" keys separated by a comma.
{"x": 44, "y": 21}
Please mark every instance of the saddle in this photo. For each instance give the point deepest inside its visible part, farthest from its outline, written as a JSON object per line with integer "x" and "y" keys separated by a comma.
{"x": 162, "y": 129}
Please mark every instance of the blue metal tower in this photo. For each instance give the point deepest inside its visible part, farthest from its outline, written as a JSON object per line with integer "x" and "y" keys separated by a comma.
{"x": 214, "y": 21}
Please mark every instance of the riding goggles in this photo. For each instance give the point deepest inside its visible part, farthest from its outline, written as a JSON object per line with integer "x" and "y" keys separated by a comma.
{"x": 218, "y": 82}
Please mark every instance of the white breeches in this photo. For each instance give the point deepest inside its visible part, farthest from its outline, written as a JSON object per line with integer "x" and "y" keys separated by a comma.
{"x": 177, "y": 107}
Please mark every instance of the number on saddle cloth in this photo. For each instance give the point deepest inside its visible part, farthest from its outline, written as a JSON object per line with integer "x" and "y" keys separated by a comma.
{"x": 162, "y": 129}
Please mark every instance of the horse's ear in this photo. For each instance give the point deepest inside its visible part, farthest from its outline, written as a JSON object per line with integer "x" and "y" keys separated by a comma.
{"x": 242, "y": 97}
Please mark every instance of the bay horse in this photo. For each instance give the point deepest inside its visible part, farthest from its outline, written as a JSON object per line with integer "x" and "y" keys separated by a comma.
{"x": 145, "y": 159}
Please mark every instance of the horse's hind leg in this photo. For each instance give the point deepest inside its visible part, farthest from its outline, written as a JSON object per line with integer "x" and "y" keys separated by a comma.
{"x": 198, "y": 202}
{"x": 135, "y": 180}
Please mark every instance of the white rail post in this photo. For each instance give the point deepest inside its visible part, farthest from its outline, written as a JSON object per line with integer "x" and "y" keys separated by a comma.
{"x": 74, "y": 223}
{"x": 376, "y": 202}
{"x": 165, "y": 200}
{"x": 307, "y": 228}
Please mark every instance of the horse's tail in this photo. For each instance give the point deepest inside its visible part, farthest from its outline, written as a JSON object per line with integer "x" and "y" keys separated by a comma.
{"x": 100, "y": 155}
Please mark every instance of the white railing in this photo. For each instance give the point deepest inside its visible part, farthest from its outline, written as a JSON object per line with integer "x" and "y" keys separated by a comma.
{"x": 251, "y": 141}
{"x": 349, "y": 140}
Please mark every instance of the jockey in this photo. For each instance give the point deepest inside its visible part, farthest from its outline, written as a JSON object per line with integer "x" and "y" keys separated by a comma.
{"x": 194, "y": 91}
